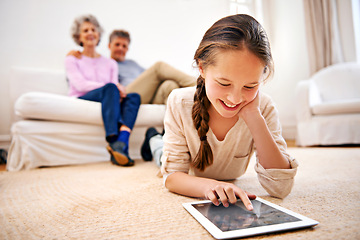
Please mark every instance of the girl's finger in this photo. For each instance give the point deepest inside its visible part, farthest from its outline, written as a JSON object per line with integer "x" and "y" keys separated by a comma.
{"x": 250, "y": 195}
{"x": 229, "y": 191}
{"x": 222, "y": 196}
{"x": 245, "y": 199}
{"x": 213, "y": 198}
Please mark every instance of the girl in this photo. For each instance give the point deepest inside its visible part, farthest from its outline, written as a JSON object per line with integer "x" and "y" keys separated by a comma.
{"x": 93, "y": 77}
{"x": 211, "y": 131}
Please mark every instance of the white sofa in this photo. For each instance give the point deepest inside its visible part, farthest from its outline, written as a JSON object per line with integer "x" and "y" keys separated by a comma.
{"x": 52, "y": 129}
{"x": 328, "y": 106}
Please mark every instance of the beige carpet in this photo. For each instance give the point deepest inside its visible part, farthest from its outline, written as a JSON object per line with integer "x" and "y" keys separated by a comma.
{"x": 103, "y": 201}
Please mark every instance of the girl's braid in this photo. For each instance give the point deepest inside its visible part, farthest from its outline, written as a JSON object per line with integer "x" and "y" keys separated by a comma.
{"x": 200, "y": 115}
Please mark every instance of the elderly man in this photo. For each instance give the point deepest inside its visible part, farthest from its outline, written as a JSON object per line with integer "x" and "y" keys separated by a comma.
{"x": 154, "y": 84}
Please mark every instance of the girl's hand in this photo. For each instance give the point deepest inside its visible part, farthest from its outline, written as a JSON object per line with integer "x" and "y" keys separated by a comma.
{"x": 227, "y": 193}
{"x": 122, "y": 90}
{"x": 251, "y": 108}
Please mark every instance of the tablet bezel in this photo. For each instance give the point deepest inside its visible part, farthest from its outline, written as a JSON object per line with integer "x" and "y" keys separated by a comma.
{"x": 219, "y": 234}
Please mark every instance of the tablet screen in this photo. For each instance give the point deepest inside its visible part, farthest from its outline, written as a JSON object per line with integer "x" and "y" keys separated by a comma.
{"x": 236, "y": 216}
{"x": 236, "y": 221}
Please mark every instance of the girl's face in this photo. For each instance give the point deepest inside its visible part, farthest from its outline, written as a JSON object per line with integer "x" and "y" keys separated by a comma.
{"x": 233, "y": 81}
{"x": 89, "y": 35}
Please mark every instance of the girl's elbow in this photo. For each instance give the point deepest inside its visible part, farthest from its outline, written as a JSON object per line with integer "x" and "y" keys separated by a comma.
{"x": 169, "y": 183}
{"x": 280, "y": 189}
{"x": 174, "y": 181}
{"x": 281, "y": 194}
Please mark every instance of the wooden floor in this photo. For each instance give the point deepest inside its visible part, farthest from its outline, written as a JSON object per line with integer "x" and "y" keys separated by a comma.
{"x": 2, "y": 167}
{"x": 290, "y": 143}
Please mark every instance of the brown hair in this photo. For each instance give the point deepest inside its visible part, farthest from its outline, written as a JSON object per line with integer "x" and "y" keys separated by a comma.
{"x": 119, "y": 33}
{"x": 75, "y": 29}
{"x": 234, "y": 32}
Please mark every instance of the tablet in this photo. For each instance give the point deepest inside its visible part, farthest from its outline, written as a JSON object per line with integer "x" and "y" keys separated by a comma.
{"x": 236, "y": 221}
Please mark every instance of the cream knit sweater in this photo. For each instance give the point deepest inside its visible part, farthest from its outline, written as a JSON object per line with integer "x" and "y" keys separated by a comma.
{"x": 231, "y": 156}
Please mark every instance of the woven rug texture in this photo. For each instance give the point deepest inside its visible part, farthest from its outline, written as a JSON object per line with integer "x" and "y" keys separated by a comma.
{"x": 104, "y": 201}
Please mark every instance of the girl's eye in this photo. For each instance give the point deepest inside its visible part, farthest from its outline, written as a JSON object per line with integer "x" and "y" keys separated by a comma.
{"x": 223, "y": 84}
{"x": 246, "y": 87}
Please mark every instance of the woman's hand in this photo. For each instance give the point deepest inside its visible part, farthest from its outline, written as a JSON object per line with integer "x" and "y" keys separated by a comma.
{"x": 228, "y": 193}
{"x": 74, "y": 53}
{"x": 122, "y": 90}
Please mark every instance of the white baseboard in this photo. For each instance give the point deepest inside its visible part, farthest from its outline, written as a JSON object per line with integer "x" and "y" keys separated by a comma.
{"x": 5, "y": 138}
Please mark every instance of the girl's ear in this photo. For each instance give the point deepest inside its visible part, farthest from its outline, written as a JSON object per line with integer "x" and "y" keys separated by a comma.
{"x": 201, "y": 70}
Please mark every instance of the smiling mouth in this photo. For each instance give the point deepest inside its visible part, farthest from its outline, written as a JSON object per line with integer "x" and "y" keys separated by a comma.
{"x": 230, "y": 105}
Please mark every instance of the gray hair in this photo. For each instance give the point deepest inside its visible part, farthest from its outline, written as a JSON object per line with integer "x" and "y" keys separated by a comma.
{"x": 119, "y": 33}
{"x": 75, "y": 29}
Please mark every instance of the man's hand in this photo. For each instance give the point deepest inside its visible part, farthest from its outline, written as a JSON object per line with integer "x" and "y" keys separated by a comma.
{"x": 122, "y": 90}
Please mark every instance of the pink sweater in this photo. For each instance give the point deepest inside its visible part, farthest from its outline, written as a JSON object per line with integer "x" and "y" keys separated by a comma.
{"x": 87, "y": 73}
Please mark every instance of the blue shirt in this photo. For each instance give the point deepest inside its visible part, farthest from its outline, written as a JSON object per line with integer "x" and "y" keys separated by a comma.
{"x": 128, "y": 71}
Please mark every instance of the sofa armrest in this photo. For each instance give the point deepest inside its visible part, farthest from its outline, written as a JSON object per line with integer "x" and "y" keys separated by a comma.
{"x": 56, "y": 107}
{"x": 303, "y": 108}
{"x": 314, "y": 94}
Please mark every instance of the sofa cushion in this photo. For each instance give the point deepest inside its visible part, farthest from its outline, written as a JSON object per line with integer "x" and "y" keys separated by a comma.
{"x": 56, "y": 107}
{"x": 349, "y": 106}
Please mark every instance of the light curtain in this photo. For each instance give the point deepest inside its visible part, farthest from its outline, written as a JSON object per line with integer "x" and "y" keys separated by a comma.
{"x": 323, "y": 36}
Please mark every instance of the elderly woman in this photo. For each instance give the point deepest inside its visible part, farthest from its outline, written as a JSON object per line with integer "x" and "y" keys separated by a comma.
{"x": 93, "y": 77}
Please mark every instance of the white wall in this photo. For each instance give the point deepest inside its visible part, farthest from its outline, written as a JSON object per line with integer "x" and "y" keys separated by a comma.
{"x": 285, "y": 24}
{"x": 35, "y": 33}
{"x": 356, "y": 18}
